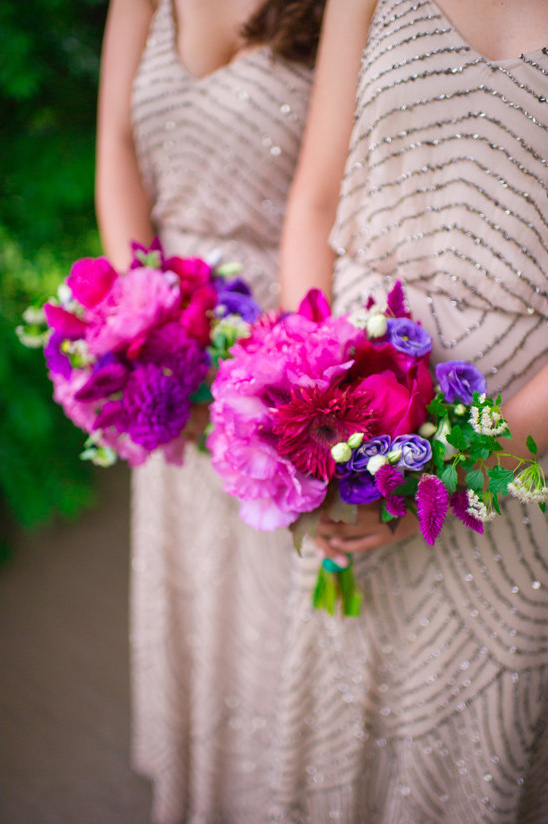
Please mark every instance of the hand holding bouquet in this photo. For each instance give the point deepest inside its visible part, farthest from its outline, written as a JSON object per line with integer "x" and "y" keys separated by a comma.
{"x": 313, "y": 411}
{"x": 128, "y": 353}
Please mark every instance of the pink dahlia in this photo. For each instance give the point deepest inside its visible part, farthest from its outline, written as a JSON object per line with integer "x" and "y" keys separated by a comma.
{"x": 316, "y": 419}
{"x": 432, "y": 505}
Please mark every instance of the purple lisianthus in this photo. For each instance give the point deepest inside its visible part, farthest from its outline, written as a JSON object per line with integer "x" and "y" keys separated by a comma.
{"x": 358, "y": 488}
{"x": 415, "y": 451}
{"x": 458, "y": 380}
{"x": 407, "y": 336}
{"x": 375, "y": 446}
{"x": 234, "y": 298}
{"x": 56, "y": 360}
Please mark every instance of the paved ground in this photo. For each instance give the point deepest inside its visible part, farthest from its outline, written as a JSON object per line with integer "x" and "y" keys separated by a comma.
{"x": 64, "y": 696}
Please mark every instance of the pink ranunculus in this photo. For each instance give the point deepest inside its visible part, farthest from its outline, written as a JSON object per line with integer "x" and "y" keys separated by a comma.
{"x": 195, "y": 319}
{"x": 136, "y": 303}
{"x": 90, "y": 279}
{"x": 397, "y": 408}
{"x": 64, "y": 323}
{"x": 193, "y": 273}
{"x": 400, "y": 385}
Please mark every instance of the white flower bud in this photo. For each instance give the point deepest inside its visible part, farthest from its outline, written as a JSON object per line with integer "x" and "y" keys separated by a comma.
{"x": 460, "y": 409}
{"x": 443, "y": 430}
{"x": 427, "y": 429}
{"x": 376, "y": 326}
{"x": 375, "y": 463}
{"x": 355, "y": 440}
{"x": 341, "y": 452}
{"x": 394, "y": 455}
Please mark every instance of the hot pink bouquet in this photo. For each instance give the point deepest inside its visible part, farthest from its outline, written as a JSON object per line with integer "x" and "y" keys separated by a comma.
{"x": 128, "y": 352}
{"x": 314, "y": 411}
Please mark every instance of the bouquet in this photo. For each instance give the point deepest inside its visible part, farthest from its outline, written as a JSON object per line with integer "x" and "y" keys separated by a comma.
{"x": 129, "y": 353}
{"x": 313, "y": 411}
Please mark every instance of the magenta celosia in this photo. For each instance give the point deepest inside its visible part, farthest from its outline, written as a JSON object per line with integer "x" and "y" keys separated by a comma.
{"x": 387, "y": 478}
{"x": 459, "y": 504}
{"x": 432, "y": 504}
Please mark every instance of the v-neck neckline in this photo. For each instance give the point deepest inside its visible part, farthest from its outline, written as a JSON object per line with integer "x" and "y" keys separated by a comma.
{"x": 502, "y": 63}
{"x": 241, "y": 55}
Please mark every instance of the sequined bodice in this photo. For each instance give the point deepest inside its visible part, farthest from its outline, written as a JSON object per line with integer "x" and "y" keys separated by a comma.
{"x": 446, "y": 184}
{"x": 217, "y": 154}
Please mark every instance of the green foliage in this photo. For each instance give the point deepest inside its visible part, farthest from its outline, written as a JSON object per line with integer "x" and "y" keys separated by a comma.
{"x": 49, "y": 65}
{"x": 48, "y": 87}
{"x": 40, "y": 472}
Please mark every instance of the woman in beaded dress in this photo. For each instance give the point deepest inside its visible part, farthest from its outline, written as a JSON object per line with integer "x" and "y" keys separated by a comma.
{"x": 203, "y": 157}
{"x": 431, "y": 706}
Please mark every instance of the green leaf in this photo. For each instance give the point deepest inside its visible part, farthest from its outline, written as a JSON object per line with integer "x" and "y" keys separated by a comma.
{"x": 449, "y": 478}
{"x": 305, "y": 524}
{"x": 475, "y": 480}
{"x": 499, "y": 479}
{"x": 542, "y": 507}
{"x": 437, "y": 407}
{"x": 438, "y": 452}
{"x": 386, "y": 517}
{"x": 531, "y": 445}
{"x": 457, "y": 439}
{"x": 338, "y": 510}
{"x": 408, "y": 487}
{"x": 202, "y": 394}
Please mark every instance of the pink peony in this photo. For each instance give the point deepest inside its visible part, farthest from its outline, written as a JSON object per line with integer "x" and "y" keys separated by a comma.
{"x": 136, "y": 303}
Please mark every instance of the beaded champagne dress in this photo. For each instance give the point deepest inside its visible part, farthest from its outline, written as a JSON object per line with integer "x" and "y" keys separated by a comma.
{"x": 431, "y": 706}
{"x": 217, "y": 155}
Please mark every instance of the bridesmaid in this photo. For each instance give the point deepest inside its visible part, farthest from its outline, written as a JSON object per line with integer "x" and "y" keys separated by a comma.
{"x": 429, "y": 707}
{"x": 201, "y": 109}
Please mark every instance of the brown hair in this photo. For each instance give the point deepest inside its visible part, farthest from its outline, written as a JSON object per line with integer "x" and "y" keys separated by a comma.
{"x": 290, "y": 27}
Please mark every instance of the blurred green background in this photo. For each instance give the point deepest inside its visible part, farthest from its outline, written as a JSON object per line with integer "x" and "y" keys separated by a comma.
{"x": 49, "y": 66}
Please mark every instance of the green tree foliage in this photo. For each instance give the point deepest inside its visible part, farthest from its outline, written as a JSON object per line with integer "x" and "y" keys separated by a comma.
{"x": 49, "y": 65}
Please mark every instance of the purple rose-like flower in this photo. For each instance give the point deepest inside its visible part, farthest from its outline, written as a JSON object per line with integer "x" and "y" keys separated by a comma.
{"x": 56, "y": 360}
{"x": 375, "y": 446}
{"x": 415, "y": 451}
{"x": 234, "y": 298}
{"x": 358, "y": 488}
{"x": 458, "y": 380}
{"x": 234, "y": 303}
{"x": 407, "y": 336}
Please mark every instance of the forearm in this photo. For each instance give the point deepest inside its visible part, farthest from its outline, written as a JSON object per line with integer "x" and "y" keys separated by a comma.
{"x": 527, "y": 414}
{"x": 306, "y": 259}
{"x": 123, "y": 210}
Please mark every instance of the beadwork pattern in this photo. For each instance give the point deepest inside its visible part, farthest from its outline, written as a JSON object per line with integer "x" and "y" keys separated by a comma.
{"x": 430, "y": 708}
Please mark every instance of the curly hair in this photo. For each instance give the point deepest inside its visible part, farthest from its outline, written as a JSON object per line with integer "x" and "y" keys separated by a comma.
{"x": 290, "y": 27}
